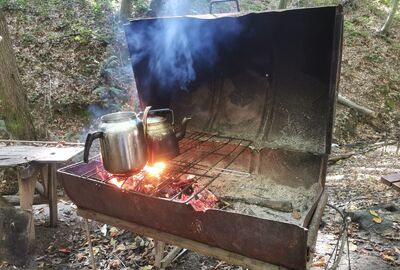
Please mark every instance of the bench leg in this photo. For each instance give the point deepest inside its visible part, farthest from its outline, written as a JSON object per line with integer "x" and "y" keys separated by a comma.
{"x": 52, "y": 189}
{"x": 26, "y": 190}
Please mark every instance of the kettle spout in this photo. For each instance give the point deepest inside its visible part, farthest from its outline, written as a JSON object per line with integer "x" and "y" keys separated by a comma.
{"x": 179, "y": 135}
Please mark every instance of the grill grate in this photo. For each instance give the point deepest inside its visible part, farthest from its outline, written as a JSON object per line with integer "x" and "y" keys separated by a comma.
{"x": 203, "y": 157}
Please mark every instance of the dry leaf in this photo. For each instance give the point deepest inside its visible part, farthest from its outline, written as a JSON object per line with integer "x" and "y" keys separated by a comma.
{"x": 114, "y": 231}
{"x": 103, "y": 229}
{"x": 80, "y": 257}
{"x": 296, "y": 214}
{"x": 64, "y": 250}
{"x": 321, "y": 262}
{"x": 374, "y": 213}
{"x": 95, "y": 251}
{"x": 352, "y": 247}
{"x": 115, "y": 264}
{"x": 377, "y": 220}
{"x": 120, "y": 247}
{"x": 389, "y": 258}
{"x": 147, "y": 267}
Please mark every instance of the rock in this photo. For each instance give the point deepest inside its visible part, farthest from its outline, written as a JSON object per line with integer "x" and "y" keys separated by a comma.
{"x": 14, "y": 227}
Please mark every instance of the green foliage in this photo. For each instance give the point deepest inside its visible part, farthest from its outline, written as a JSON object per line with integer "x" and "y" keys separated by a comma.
{"x": 352, "y": 31}
{"x": 14, "y": 4}
{"x": 140, "y": 8}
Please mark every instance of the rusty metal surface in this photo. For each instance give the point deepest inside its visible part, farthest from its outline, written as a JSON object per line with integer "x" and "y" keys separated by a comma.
{"x": 267, "y": 240}
{"x": 269, "y": 77}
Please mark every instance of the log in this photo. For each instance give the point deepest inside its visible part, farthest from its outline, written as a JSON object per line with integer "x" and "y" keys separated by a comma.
{"x": 14, "y": 200}
{"x": 15, "y": 225}
{"x": 346, "y": 102}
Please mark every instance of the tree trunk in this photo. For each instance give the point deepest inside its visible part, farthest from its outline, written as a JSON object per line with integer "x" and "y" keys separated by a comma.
{"x": 390, "y": 18}
{"x": 283, "y": 4}
{"x": 126, "y": 9}
{"x": 13, "y": 101}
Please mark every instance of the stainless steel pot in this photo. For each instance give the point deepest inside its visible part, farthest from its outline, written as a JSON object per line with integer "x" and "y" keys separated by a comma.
{"x": 122, "y": 142}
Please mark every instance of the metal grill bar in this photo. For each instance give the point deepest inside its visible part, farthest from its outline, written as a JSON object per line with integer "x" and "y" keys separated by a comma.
{"x": 194, "y": 160}
{"x": 213, "y": 179}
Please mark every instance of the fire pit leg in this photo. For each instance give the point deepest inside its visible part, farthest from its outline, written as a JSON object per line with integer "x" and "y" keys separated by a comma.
{"x": 162, "y": 262}
{"x": 159, "y": 247}
{"x": 90, "y": 243}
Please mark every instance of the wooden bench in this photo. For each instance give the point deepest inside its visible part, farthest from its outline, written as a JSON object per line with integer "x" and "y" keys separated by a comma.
{"x": 33, "y": 160}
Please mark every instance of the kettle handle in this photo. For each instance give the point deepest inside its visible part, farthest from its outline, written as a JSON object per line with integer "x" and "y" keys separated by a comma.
{"x": 89, "y": 139}
{"x": 144, "y": 119}
{"x": 166, "y": 110}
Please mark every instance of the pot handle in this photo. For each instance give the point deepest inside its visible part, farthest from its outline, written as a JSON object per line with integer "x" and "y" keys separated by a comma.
{"x": 89, "y": 139}
{"x": 166, "y": 110}
{"x": 144, "y": 119}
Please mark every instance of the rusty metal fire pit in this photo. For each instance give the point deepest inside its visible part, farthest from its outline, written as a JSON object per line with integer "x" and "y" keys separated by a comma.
{"x": 261, "y": 90}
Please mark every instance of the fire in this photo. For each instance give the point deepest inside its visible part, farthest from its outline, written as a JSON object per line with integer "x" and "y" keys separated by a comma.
{"x": 151, "y": 180}
{"x": 155, "y": 170}
{"x": 116, "y": 181}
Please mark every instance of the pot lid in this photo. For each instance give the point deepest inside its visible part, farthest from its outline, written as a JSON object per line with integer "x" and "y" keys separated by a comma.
{"x": 152, "y": 120}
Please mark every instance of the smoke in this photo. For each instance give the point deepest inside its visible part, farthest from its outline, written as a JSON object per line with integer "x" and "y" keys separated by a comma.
{"x": 174, "y": 48}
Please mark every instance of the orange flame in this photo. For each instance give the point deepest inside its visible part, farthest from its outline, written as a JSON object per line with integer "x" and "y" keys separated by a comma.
{"x": 155, "y": 170}
{"x": 116, "y": 181}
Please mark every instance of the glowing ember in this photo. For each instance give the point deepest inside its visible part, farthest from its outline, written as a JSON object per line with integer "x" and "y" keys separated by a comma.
{"x": 153, "y": 179}
{"x": 155, "y": 170}
{"x": 116, "y": 181}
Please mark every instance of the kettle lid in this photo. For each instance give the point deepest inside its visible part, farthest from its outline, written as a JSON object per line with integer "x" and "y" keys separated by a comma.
{"x": 155, "y": 120}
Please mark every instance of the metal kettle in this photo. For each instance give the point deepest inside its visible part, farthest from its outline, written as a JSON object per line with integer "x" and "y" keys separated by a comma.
{"x": 122, "y": 142}
{"x": 161, "y": 138}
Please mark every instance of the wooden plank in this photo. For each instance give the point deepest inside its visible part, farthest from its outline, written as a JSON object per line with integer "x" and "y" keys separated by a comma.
{"x": 205, "y": 249}
{"x": 53, "y": 194}
{"x": 40, "y": 143}
{"x": 396, "y": 186}
{"x": 390, "y": 179}
{"x": 7, "y": 162}
{"x": 39, "y": 154}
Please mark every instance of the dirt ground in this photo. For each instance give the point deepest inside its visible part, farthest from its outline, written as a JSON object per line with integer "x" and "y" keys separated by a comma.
{"x": 353, "y": 185}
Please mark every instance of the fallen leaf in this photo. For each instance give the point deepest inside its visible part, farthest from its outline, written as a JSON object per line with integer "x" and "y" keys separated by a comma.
{"x": 132, "y": 246}
{"x": 321, "y": 262}
{"x": 147, "y": 267}
{"x": 64, "y": 250}
{"x": 352, "y": 247}
{"x": 374, "y": 213}
{"x": 389, "y": 258}
{"x": 113, "y": 241}
{"x": 115, "y": 264}
{"x": 377, "y": 220}
{"x": 113, "y": 231}
{"x": 95, "y": 251}
{"x": 296, "y": 214}
{"x": 120, "y": 247}
{"x": 103, "y": 229}
{"x": 80, "y": 257}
